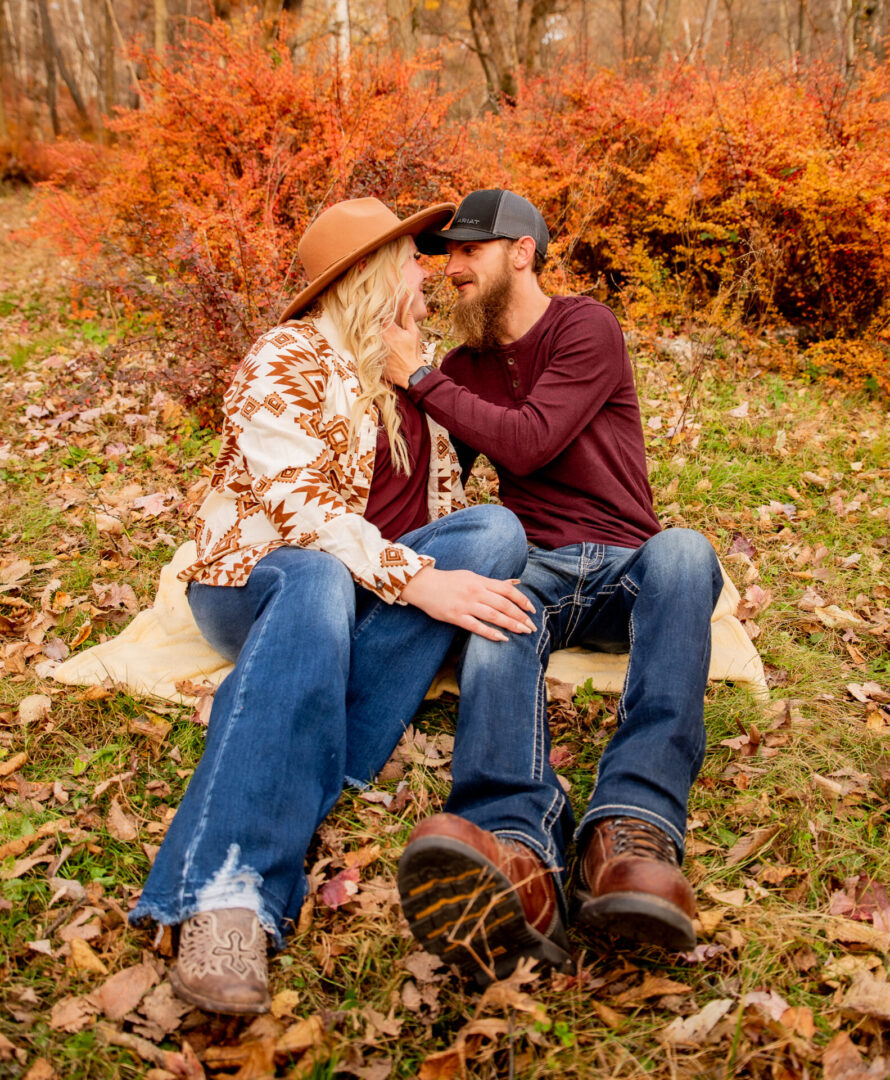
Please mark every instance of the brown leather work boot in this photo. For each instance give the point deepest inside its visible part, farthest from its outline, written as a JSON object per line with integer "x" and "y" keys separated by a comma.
{"x": 631, "y": 885}
{"x": 221, "y": 965}
{"x": 479, "y": 902}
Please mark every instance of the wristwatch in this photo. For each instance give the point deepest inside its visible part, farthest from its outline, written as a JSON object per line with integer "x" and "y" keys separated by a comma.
{"x": 421, "y": 373}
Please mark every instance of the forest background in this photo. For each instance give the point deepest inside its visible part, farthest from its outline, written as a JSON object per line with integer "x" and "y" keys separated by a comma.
{"x": 715, "y": 170}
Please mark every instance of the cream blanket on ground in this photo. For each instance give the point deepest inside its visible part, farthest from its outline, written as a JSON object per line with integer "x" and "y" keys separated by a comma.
{"x": 162, "y": 646}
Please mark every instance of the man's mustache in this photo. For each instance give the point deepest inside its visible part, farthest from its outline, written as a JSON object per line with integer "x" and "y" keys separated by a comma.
{"x": 464, "y": 279}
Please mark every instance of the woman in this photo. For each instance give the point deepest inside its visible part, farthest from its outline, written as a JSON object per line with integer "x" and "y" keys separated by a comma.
{"x": 332, "y": 572}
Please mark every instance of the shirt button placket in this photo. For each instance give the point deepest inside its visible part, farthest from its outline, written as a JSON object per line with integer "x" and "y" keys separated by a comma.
{"x": 511, "y": 360}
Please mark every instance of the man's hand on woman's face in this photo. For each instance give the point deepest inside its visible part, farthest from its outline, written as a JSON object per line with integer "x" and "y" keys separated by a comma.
{"x": 403, "y": 340}
{"x": 471, "y": 601}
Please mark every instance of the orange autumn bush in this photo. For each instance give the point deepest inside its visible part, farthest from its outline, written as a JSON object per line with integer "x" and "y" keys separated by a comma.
{"x": 196, "y": 212}
{"x": 744, "y": 198}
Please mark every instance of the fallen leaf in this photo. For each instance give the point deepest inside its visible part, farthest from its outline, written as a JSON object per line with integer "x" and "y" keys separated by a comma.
{"x": 41, "y": 1070}
{"x": 841, "y": 1061}
{"x": 121, "y": 825}
{"x": 83, "y": 958}
{"x": 13, "y": 764}
{"x": 34, "y": 707}
{"x": 301, "y": 1036}
{"x": 123, "y": 991}
{"x": 756, "y": 600}
{"x": 652, "y": 986}
{"x": 753, "y": 842}
{"x": 836, "y": 618}
{"x": 868, "y": 996}
{"x": 340, "y": 888}
{"x": 284, "y": 1003}
{"x": 768, "y": 1001}
{"x": 71, "y": 1014}
{"x": 729, "y": 897}
{"x": 693, "y": 1030}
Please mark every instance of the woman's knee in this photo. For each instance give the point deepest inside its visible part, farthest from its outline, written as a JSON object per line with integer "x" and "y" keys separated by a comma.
{"x": 309, "y": 587}
{"x": 685, "y": 553}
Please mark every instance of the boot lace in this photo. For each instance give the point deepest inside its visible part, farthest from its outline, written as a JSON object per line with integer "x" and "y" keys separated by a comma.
{"x": 632, "y": 836}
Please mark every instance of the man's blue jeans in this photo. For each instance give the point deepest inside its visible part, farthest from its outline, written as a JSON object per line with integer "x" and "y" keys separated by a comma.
{"x": 326, "y": 679}
{"x": 656, "y": 601}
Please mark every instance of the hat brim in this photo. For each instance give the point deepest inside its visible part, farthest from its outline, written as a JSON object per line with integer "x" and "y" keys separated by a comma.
{"x": 433, "y": 243}
{"x": 431, "y": 218}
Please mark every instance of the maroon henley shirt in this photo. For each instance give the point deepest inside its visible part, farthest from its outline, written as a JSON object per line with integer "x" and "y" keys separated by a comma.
{"x": 557, "y": 414}
{"x": 397, "y": 504}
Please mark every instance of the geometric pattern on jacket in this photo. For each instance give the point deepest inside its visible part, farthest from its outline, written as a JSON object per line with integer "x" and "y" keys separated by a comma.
{"x": 287, "y": 473}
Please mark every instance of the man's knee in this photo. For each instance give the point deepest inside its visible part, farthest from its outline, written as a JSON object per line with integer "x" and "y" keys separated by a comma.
{"x": 687, "y": 556}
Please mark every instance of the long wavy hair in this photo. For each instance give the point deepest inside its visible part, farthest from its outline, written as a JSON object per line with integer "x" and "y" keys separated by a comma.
{"x": 362, "y": 303}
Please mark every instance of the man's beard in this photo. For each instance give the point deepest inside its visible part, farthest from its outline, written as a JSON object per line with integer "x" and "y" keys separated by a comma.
{"x": 477, "y": 321}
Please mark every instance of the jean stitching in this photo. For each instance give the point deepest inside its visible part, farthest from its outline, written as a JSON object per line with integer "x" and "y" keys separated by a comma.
{"x": 236, "y": 709}
{"x": 621, "y": 711}
{"x": 540, "y": 697}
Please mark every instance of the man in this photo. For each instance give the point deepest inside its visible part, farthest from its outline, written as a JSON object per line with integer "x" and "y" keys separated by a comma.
{"x": 543, "y": 386}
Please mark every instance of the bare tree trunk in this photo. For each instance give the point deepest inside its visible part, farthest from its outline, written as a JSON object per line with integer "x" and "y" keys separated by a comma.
{"x": 49, "y": 62}
{"x": 4, "y": 126}
{"x": 160, "y": 27}
{"x": 51, "y": 48}
{"x": 106, "y": 82}
{"x": 401, "y": 21}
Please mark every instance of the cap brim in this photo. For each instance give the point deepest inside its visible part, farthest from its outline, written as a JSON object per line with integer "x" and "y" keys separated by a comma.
{"x": 433, "y": 243}
{"x": 431, "y": 218}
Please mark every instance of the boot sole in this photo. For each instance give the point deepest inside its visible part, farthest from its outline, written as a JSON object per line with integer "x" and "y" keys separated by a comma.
{"x": 211, "y": 1004}
{"x": 462, "y": 908}
{"x": 638, "y": 916}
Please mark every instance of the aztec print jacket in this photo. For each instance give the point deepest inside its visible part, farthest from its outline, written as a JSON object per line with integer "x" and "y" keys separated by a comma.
{"x": 286, "y": 473}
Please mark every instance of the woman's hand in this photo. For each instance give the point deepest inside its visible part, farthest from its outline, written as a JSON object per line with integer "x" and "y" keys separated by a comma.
{"x": 470, "y": 601}
{"x": 403, "y": 340}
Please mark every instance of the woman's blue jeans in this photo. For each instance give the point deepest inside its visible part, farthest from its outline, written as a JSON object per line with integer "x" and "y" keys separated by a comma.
{"x": 656, "y": 601}
{"x": 326, "y": 679}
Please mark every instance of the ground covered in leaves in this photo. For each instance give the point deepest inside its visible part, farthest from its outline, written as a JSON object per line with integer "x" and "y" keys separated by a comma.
{"x": 99, "y": 476}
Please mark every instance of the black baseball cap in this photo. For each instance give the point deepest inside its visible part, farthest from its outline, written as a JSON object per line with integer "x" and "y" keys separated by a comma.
{"x": 490, "y": 214}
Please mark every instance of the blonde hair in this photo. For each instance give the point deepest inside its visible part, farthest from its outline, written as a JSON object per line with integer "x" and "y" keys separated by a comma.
{"x": 362, "y": 303}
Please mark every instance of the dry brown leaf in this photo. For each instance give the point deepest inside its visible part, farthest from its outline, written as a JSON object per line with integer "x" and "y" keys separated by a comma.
{"x": 71, "y": 1014}
{"x": 120, "y": 824}
{"x": 7, "y": 1049}
{"x": 34, "y": 707}
{"x": 301, "y": 1036}
{"x": 83, "y": 959}
{"x": 652, "y": 986}
{"x": 123, "y": 991}
{"x": 727, "y": 897}
{"x": 13, "y": 764}
{"x": 857, "y": 933}
{"x": 363, "y": 857}
{"x": 22, "y": 843}
{"x": 800, "y": 1019}
{"x": 868, "y": 996}
{"x": 836, "y": 618}
{"x": 284, "y": 1003}
{"x": 162, "y": 1008}
{"x": 841, "y": 1061}
{"x": 609, "y": 1016}
{"x": 451, "y": 1062}
{"x": 41, "y": 1070}
{"x": 693, "y": 1030}
{"x": 746, "y": 846}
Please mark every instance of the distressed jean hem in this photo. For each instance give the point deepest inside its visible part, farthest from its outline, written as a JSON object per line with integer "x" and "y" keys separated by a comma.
{"x": 163, "y": 914}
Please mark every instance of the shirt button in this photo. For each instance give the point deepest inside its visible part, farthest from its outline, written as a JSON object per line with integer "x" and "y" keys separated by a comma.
{"x": 516, "y": 382}
{"x": 511, "y": 361}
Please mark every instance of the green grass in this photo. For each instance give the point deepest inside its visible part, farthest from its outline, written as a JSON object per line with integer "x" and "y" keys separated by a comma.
{"x": 715, "y": 476}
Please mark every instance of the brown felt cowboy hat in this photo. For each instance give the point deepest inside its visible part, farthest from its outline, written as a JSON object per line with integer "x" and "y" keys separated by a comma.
{"x": 348, "y": 231}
